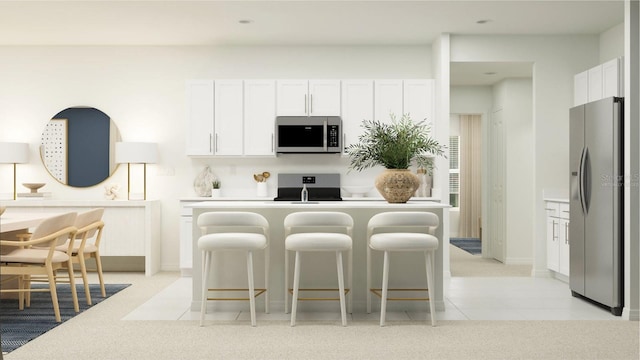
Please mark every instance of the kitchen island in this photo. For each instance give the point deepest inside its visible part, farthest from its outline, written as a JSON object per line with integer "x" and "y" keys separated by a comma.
{"x": 229, "y": 269}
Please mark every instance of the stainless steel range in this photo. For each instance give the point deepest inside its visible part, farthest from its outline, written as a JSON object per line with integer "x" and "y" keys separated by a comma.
{"x": 321, "y": 187}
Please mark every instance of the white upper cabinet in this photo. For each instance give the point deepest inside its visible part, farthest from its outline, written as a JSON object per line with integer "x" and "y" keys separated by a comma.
{"x": 308, "y": 97}
{"x": 228, "y": 117}
{"x": 418, "y": 101}
{"x": 357, "y": 105}
{"x": 595, "y": 84}
{"x": 599, "y": 82}
{"x": 259, "y": 117}
{"x": 388, "y": 99}
{"x": 581, "y": 88}
{"x": 199, "y": 112}
{"x": 612, "y": 79}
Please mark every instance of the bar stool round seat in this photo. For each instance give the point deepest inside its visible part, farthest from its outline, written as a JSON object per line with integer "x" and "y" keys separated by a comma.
{"x": 319, "y": 242}
{"x": 403, "y": 242}
{"x": 233, "y": 231}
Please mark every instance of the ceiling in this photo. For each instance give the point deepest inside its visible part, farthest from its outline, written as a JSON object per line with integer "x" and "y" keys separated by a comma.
{"x": 286, "y": 23}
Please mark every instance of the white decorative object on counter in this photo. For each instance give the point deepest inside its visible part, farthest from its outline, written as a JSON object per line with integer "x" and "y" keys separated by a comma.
{"x": 357, "y": 191}
{"x": 111, "y": 191}
{"x": 262, "y": 190}
{"x": 202, "y": 183}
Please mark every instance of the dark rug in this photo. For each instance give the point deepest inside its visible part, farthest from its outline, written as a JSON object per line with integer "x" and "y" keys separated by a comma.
{"x": 471, "y": 245}
{"x": 18, "y": 327}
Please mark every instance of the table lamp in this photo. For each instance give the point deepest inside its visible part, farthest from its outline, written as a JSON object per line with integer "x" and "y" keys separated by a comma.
{"x": 136, "y": 153}
{"x": 14, "y": 153}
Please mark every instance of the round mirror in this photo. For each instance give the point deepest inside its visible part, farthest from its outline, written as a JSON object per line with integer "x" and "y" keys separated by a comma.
{"x": 78, "y": 146}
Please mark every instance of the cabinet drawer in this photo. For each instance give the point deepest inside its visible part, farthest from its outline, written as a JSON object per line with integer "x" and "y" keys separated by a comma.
{"x": 552, "y": 209}
{"x": 564, "y": 211}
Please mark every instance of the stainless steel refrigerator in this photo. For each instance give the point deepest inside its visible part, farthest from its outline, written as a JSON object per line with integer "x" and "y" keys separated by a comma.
{"x": 596, "y": 202}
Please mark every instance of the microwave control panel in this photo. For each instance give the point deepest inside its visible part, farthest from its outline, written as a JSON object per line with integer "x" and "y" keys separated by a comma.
{"x": 332, "y": 137}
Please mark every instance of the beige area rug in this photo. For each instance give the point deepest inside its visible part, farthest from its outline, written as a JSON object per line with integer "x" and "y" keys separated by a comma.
{"x": 99, "y": 333}
{"x": 464, "y": 264}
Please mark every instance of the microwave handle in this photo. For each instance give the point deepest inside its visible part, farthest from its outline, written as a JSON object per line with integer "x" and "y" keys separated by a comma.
{"x": 324, "y": 135}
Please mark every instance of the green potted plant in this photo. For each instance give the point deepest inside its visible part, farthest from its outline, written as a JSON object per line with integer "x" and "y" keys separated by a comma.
{"x": 215, "y": 191}
{"x": 396, "y": 146}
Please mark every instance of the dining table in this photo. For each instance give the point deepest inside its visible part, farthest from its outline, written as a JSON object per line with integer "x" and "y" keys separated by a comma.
{"x": 17, "y": 222}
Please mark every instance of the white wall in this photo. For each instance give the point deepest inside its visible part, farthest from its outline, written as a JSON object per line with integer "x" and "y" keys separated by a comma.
{"x": 514, "y": 97}
{"x": 142, "y": 89}
{"x": 612, "y": 43}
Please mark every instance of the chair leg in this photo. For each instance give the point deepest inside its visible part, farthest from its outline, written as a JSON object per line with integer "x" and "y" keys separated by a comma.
{"x": 385, "y": 285}
{"x": 83, "y": 271}
{"x": 368, "y": 280}
{"x": 96, "y": 256}
{"x": 267, "y": 264}
{"x": 54, "y": 293}
{"x": 428, "y": 256}
{"x": 252, "y": 298}
{"x": 206, "y": 263}
{"x": 72, "y": 285}
{"x": 296, "y": 283}
{"x": 350, "y": 283}
{"x": 343, "y": 311}
{"x": 21, "y": 292}
{"x": 286, "y": 281}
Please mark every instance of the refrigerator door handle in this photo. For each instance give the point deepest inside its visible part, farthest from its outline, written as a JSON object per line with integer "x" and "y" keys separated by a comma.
{"x": 581, "y": 181}
{"x": 586, "y": 177}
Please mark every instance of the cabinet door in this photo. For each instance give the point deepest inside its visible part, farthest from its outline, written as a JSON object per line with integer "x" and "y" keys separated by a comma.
{"x": 259, "y": 116}
{"x": 199, "y": 112}
{"x": 228, "y": 117}
{"x": 324, "y": 97}
{"x": 292, "y": 97}
{"x": 388, "y": 99}
{"x": 581, "y": 88}
{"x": 595, "y": 83}
{"x": 563, "y": 242}
{"x": 357, "y": 105}
{"x": 553, "y": 257}
{"x": 611, "y": 80}
{"x": 418, "y": 101}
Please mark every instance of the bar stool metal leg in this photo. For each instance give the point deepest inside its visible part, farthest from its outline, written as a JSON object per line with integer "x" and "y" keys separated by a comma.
{"x": 296, "y": 283}
{"x": 252, "y": 297}
{"x": 385, "y": 286}
{"x": 206, "y": 261}
{"x": 343, "y": 311}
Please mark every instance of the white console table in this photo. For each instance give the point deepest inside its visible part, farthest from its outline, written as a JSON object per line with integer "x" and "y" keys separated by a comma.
{"x": 132, "y": 228}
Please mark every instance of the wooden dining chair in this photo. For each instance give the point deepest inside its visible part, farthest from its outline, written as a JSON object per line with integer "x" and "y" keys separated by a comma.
{"x": 37, "y": 255}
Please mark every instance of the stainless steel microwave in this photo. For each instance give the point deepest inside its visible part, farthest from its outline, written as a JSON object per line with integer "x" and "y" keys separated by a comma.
{"x": 308, "y": 134}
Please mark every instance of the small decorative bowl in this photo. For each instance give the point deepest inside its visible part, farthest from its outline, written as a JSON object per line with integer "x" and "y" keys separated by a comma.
{"x": 33, "y": 186}
{"x": 357, "y": 191}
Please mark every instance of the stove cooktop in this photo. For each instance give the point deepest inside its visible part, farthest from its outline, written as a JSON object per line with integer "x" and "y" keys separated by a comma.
{"x": 321, "y": 187}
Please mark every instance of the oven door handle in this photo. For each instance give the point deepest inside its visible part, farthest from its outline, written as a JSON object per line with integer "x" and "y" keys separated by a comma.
{"x": 324, "y": 135}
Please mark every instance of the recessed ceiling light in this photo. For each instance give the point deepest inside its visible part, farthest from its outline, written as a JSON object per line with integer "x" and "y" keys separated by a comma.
{"x": 490, "y": 73}
{"x": 245, "y": 21}
{"x": 484, "y": 21}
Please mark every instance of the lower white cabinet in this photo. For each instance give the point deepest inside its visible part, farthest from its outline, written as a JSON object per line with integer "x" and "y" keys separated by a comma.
{"x": 557, "y": 219}
{"x": 132, "y": 228}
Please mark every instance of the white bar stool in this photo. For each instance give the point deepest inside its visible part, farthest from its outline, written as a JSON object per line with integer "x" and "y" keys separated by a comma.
{"x": 234, "y": 231}
{"x": 402, "y": 231}
{"x": 318, "y": 231}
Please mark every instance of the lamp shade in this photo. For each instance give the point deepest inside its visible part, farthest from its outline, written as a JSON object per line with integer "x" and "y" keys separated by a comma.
{"x": 14, "y": 153}
{"x": 136, "y": 153}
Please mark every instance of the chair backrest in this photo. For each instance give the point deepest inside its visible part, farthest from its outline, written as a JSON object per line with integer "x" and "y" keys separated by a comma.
{"x": 221, "y": 220}
{"x": 316, "y": 219}
{"x": 54, "y": 224}
{"x": 407, "y": 221}
{"x": 83, "y": 220}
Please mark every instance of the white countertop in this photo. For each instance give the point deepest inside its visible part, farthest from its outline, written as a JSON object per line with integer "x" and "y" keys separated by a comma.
{"x": 270, "y": 204}
{"x": 562, "y": 200}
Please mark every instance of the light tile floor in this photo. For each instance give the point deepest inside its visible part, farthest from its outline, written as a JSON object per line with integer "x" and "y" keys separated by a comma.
{"x": 466, "y": 298}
